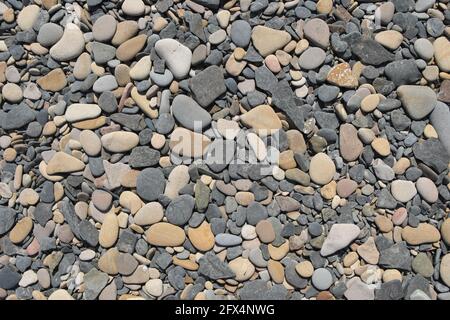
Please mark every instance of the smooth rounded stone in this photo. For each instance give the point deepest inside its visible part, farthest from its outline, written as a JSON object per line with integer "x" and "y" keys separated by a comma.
{"x": 424, "y": 48}
{"x": 27, "y": 17}
{"x": 262, "y": 119}
{"x": 240, "y": 33}
{"x": 180, "y": 209}
{"x": 267, "y": 40}
{"x": 150, "y": 184}
{"x": 202, "y": 237}
{"x": 124, "y": 31}
{"x": 104, "y": 28}
{"x": 90, "y": 143}
{"x": 422, "y": 265}
{"x": 444, "y": 269}
{"x": 70, "y": 46}
{"x": 346, "y": 187}
{"x": 49, "y": 34}
{"x": 141, "y": 70}
{"x": 177, "y": 56}
{"x": 418, "y": 101}
{"x": 7, "y": 219}
{"x": 109, "y": 231}
{"x": 120, "y": 141}
{"x": 161, "y": 80}
{"x": 265, "y": 231}
{"x": 189, "y": 113}
{"x": 82, "y": 66}
{"x": 322, "y": 279}
{"x": 217, "y": 37}
{"x": 43, "y": 278}
{"x": 276, "y": 271}
{"x": 321, "y": 169}
{"x": 342, "y": 76}
{"x": 187, "y": 143}
{"x": 440, "y": 118}
{"x": 87, "y": 255}
{"x": 102, "y": 200}
{"x": 242, "y": 268}
{"x": 105, "y": 83}
{"x": 368, "y": 251}
{"x": 227, "y": 240}
{"x": 62, "y": 162}
{"x": 133, "y": 7}
{"x": 32, "y": 92}
{"x": 296, "y": 141}
{"x": 28, "y": 197}
{"x": 340, "y": 236}
{"x": 370, "y": 103}
{"x": 403, "y": 190}
{"x": 271, "y": 62}
{"x": 381, "y": 146}
{"x": 312, "y": 58}
{"x": 12, "y": 93}
{"x": 305, "y": 269}
{"x": 81, "y": 111}
{"x": 349, "y": 144}
{"x": 53, "y": 81}
{"x": 128, "y": 49}
{"x": 149, "y": 214}
{"x": 21, "y": 230}
{"x": 228, "y": 129}
{"x": 257, "y": 145}
{"x": 244, "y": 198}
{"x": 385, "y": 12}
{"x": 445, "y": 231}
{"x": 442, "y": 53}
{"x": 60, "y": 294}
{"x": 154, "y": 287}
{"x": 317, "y": 32}
{"x": 358, "y": 290}
{"x": 164, "y": 234}
{"x": 427, "y": 189}
{"x": 390, "y": 39}
{"x": 178, "y": 178}
{"x": 424, "y": 233}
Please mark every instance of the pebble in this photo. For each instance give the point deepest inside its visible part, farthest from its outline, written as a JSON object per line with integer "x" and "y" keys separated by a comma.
{"x": 70, "y": 46}
{"x": 424, "y": 233}
{"x": 165, "y": 235}
{"x": 119, "y": 141}
{"x": 417, "y": 101}
{"x": 177, "y": 56}
{"x": 322, "y": 169}
{"x": 322, "y": 279}
{"x": 78, "y": 112}
{"x": 339, "y": 237}
{"x": 267, "y": 40}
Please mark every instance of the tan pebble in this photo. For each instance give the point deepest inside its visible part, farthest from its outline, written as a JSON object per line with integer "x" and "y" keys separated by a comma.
{"x": 9, "y": 154}
{"x": 28, "y": 197}
{"x": 165, "y": 235}
{"x": 109, "y": 231}
{"x": 350, "y": 259}
{"x": 430, "y": 132}
{"x": 60, "y": 294}
{"x": 21, "y": 230}
{"x": 401, "y": 165}
{"x": 286, "y": 160}
{"x": 239, "y": 53}
{"x": 278, "y": 253}
{"x": 324, "y": 6}
{"x": 265, "y": 231}
{"x": 383, "y": 223}
{"x": 242, "y": 268}
{"x": 391, "y": 274}
{"x": 276, "y": 271}
{"x": 424, "y": 233}
{"x": 244, "y": 198}
{"x": 328, "y": 191}
{"x": 305, "y": 269}
{"x": 202, "y": 237}
{"x": 370, "y": 103}
{"x": 381, "y": 146}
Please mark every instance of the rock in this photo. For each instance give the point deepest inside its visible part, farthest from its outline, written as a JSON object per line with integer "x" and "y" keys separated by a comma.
{"x": 180, "y": 209}
{"x": 440, "y": 117}
{"x": 321, "y": 169}
{"x": 188, "y": 143}
{"x": 317, "y": 31}
{"x": 109, "y": 231}
{"x": 339, "y": 237}
{"x": 341, "y": 75}
{"x": 403, "y": 190}
{"x": 322, "y": 279}
{"x": 7, "y": 219}
{"x": 29, "y": 277}
{"x": 78, "y": 112}
{"x": 177, "y": 56}
{"x": 396, "y": 256}
{"x": 119, "y": 141}
{"x": 128, "y": 49}
{"x": 105, "y": 83}
{"x": 17, "y": 117}
{"x": 154, "y": 287}
{"x": 12, "y": 93}
{"x": 9, "y": 278}
{"x": 133, "y": 7}
{"x": 104, "y": 28}
{"x": 349, "y": 143}
{"x": 381, "y": 146}
{"x": 424, "y": 233}
{"x": 267, "y": 40}
{"x": 53, "y": 81}
{"x": 444, "y": 270}
{"x": 442, "y": 53}
{"x": 49, "y": 34}
{"x": 202, "y": 237}
{"x": 207, "y": 85}
{"x": 346, "y": 187}
{"x": 70, "y": 46}
{"x": 263, "y": 119}
{"x": 150, "y": 184}
{"x": 402, "y": 72}
{"x": 390, "y": 39}
{"x": 369, "y": 252}
{"x": 21, "y": 230}
{"x": 305, "y": 269}
{"x": 228, "y": 129}
{"x": 312, "y": 58}
{"x": 432, "y": 153}
{"x": 27, "y": 17}
{"x": 371, "y": 52}
{"x": 358, "y": 290}
{"x": 240, "y": 33}
{"x": 189, "y": 114}
{"x": 227, "y": 240}
{"x": 418, "y": 101}
{"x": 422, "y": 265}
{"x": 164, "y": 234}
{"x": 62, "y": 162}
{"x": 424, "y": 48}
{"x": 60, "y": 294}
{"x": 213, "y": 268}
{"x": 257, "y": 145}
{"x": 94, "y": 281}
{"x": 445, "y": 231}
{"x": 141, "y": 70}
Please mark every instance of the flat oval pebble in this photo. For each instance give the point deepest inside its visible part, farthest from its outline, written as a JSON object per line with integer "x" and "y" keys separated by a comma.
{"x": 165, "y": 235}
{"x": 119, "y": 141}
